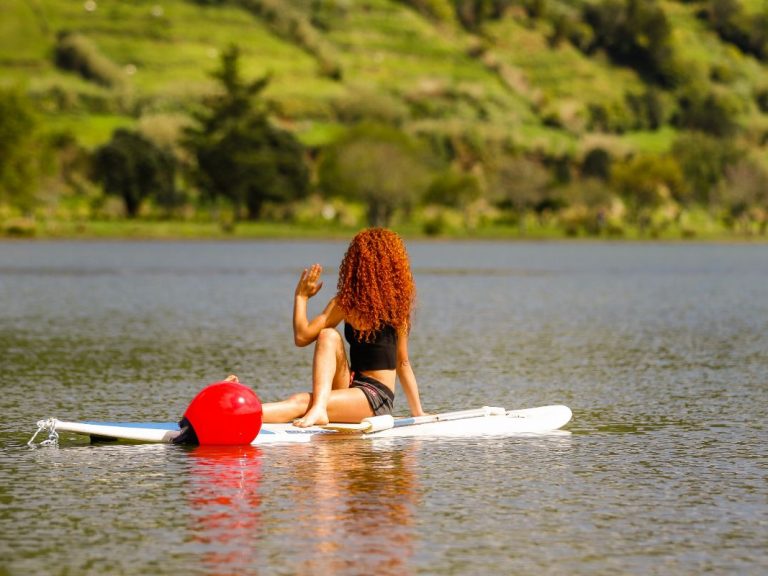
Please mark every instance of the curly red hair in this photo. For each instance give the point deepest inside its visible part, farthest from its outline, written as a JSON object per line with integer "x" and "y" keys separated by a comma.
{"x": 375, "y": 285}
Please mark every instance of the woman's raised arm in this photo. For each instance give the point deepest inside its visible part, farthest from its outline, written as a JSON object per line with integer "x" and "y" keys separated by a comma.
{"x": 305, "y": 331}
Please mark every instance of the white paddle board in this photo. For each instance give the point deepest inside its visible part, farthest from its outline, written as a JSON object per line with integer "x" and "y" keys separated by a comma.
{"x": 469, "y": 423}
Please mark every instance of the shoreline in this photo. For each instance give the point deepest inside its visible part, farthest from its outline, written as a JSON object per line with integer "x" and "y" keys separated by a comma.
{"x": 181, "y": 231}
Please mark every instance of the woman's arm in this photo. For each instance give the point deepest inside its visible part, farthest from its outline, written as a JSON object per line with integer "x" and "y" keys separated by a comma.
{"x": 407, "y": 377}
{"x": 305, "y": 331}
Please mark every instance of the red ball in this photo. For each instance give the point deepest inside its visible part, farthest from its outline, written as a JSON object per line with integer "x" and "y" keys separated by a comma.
{"x": 225, "y": 413}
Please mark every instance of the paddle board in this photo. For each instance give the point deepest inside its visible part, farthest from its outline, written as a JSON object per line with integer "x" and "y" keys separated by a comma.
{"x": 470, "y": 423}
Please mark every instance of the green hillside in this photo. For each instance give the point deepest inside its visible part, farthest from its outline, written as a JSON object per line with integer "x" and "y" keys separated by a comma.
{"x": 485, "y": 85}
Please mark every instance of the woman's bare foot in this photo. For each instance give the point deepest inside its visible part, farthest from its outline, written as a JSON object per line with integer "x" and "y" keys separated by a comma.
{"x": 313, "y": 417}
{"x": 231, "y": 378}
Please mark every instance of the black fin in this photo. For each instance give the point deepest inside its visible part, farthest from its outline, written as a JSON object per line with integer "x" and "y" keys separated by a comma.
{"x": 188, "y": 435}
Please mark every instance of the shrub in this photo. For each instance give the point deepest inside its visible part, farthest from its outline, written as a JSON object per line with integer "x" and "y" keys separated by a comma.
{"x": 614, "y": 116}
{"x": 745, "y": 196}
{"x": 133, "y": 168}
{"x": 19, "y": 151}
{"x": 749, "y": 32}
{"x": 649, "y": 108}
{"x": 454, "y": 189}
{"x": 710, "y": 111}
{"x": 379, "y": 166}
{"x": 647, "y": 183}
{"x": 567, "y": 24}
{"x": 73, "y": 164}
{"x": 19, "y": 227}
{"x": 761, "y": 99}
{"x": 591, "y": 208}
{"x": 704, "y": 161}
{"x": 521, "y": 184}
{"x": 635, "y": 33}
{"x": 435, "y": 224}
{"x": 367, "y": 105}
{"x": 456, "y": 143}
{"x": 76, "y": 53}
{"x": 165, "y": 130}
{"x": 597, "y": 164}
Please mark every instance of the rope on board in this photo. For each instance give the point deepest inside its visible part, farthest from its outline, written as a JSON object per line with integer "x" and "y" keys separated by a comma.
{"x": 49, "y": 426}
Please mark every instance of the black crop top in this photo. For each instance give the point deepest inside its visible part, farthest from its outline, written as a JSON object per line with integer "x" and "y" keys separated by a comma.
{"x": 379, "y": 354}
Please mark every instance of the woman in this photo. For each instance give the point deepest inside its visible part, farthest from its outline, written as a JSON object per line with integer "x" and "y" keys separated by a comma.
{"x": 374, "y": 300}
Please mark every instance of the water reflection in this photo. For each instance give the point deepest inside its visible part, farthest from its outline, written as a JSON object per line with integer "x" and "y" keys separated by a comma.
{"x": 353, "y": 505}
{"x": 331, "y": 507}
{"x": 225, "y": 502}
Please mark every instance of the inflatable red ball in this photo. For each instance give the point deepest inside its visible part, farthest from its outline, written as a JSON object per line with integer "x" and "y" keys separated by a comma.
{"x": 225, "y": 413}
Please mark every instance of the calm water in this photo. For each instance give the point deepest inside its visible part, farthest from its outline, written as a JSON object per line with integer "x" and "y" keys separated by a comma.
{"x": 661, "y": 351}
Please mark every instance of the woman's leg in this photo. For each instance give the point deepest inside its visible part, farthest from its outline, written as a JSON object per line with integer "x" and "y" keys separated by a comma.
{"x": 286, "y": 410}
{"x": 329, "y": 371}
{"x": 345, "y": 405}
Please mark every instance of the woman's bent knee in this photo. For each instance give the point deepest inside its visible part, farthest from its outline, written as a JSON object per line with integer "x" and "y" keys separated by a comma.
{"x": 299, "y": 401}
{"x": 329, "y": 336}
{"x": 329, "y": 339}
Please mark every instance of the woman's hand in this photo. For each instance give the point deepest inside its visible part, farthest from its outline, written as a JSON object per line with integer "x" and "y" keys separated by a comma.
{"x": 310, "y": 283}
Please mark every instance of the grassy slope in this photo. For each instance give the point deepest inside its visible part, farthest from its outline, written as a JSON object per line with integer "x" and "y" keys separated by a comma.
{"x": 171, "y": 54}
{"x": 383, "y": 48}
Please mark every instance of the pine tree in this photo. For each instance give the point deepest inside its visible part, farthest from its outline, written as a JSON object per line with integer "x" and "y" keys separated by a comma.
{"x": 240, "y": 156}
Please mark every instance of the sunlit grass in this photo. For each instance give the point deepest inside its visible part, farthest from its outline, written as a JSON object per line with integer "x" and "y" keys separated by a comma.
{"x": 181, "y": 230}
{"x": 23, "y": 34}
{"x": 696, "y": 225}
{"x": 562, "y": 72}
{"x": 90, "y": 130}
{"x": 168, "y": 49}
{"x": 656, "y": 141}
{"x": 700, "y": 47}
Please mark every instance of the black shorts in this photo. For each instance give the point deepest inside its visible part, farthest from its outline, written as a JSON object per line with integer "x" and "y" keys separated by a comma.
{"x": 381, "y": 398}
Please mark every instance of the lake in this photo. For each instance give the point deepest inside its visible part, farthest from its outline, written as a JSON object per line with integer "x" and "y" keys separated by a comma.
{"x": 660, "y": 350}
